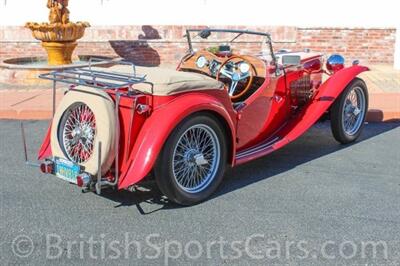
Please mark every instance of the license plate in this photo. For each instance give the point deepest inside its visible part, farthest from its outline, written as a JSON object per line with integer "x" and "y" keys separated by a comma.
{"x": 66, "y": 170}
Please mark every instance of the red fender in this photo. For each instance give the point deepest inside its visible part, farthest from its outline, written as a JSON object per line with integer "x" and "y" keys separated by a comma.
{"x": 327, "y": 94}
{"x": 160, "y": 124}
{"x": 45, "y": 149}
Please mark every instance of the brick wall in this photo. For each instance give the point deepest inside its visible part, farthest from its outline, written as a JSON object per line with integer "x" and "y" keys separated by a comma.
{"x": 154, "y": 45}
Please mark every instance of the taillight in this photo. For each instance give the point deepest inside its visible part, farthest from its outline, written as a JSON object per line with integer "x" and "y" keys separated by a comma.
{"x": 82, "y": 180}
{"x": 47, "y": 167}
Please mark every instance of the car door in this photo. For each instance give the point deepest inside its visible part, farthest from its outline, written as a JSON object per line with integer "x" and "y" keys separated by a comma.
{"x": 277, "y": 101}
{"x": 264, "y": 112}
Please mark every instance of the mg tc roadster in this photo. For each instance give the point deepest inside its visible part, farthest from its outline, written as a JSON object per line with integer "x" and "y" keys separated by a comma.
{"x": 232, "y": 99}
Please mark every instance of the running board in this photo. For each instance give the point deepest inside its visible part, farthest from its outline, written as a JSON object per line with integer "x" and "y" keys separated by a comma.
{"x": 260, "y": 150}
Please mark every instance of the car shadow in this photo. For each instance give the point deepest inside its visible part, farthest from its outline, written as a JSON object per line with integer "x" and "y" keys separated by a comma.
{"x": 146, "y": 193}
{"x": 316, "y": 143}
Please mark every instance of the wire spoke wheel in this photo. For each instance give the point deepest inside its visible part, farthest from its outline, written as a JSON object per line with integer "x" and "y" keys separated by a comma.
{"x": 353, "y": 111}
{"x": 349, "y": 112}
{"x": 196, "y": 158}
{"x": 193, "y": 160}
{"x": 78, "y": 133}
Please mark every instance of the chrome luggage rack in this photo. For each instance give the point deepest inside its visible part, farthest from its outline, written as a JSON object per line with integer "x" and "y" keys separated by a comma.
{"x": 103, "y": 80}
{"x": 87, "y": 76}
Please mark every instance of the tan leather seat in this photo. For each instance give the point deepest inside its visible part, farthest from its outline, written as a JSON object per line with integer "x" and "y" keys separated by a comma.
{"x": 168, "y": 81}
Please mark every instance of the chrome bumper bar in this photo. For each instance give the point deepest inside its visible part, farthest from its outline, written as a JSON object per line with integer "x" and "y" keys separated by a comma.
{"x": 92, "y": 184}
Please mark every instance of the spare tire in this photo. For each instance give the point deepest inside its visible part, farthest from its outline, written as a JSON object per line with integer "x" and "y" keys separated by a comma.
{"x": 84, "y": 118}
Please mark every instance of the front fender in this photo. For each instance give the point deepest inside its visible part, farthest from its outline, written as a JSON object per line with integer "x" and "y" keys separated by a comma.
{"x": 327, "y": 94}
{"x": 159, "y": 126}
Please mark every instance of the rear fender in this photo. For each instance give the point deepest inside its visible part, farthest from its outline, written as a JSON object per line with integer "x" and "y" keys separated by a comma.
{"x": 159, "y": 126}
{"x": 45, "y": 148}
{"x": 327, "y": 94}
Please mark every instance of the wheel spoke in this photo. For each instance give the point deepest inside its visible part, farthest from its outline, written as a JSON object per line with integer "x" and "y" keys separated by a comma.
{"x": 196, "y": 158}
{"x": 79, "y": 132}
{"x": 353, "y": 111}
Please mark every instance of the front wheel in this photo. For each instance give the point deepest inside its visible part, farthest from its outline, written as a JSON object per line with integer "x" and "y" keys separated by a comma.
{"x": 192, "y": 163}
{"x": 349, "y": 111}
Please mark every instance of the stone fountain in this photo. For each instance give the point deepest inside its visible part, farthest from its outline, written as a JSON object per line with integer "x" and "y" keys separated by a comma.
{"x": 59, "y": 35}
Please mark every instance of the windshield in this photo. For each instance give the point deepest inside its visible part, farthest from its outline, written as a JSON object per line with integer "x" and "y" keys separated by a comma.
{"x": 234, "y": 41}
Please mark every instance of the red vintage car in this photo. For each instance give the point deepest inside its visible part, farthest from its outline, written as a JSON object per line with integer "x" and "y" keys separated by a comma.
{"x": 224, "y": 105}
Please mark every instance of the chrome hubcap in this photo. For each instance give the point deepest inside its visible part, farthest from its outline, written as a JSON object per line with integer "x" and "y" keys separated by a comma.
{"x": 196, "y": 158}
{"x": 78, "y": 133}
{"x": 353, "y": 111}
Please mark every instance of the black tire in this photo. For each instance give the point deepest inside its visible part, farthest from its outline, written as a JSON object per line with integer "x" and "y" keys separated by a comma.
{"x": 337, "y": 113}
{"x": 164, "y": 168}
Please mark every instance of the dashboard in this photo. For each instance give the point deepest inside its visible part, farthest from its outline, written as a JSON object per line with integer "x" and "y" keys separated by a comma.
{"x": 206, "y": 62}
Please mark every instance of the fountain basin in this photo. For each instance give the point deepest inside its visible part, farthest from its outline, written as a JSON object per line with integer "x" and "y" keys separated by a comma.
{"x": 22, "y": 73}
{"x": 57, "y": 32}
{"x": 58, "y": 39}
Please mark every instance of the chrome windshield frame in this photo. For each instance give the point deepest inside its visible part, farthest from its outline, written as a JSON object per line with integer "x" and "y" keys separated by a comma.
{"x": 239, "y": 32}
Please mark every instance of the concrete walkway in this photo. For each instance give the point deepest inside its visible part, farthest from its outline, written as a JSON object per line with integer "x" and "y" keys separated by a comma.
{"x": 384, "y": 93}
{"x": 383, "y": 85}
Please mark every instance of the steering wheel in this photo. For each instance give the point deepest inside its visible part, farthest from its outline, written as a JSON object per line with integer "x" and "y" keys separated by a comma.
{"x": 237, "y": 69}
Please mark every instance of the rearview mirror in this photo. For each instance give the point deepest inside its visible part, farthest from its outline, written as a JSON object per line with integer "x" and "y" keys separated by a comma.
{"x": 205, "y": 34}
{"x": 291, "y": 60}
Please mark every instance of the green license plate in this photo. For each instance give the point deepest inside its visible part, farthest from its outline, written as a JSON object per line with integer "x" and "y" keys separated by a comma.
{"x": 66, "y": 170}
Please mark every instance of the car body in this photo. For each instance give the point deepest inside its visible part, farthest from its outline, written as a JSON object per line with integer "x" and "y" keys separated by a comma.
{"x": 279, "y": 96}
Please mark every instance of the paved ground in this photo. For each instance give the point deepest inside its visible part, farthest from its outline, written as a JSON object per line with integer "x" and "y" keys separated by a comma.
{"x": 312, "y": 203}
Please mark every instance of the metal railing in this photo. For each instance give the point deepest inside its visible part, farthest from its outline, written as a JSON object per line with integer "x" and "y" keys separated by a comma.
{"x": 88, "y": 76}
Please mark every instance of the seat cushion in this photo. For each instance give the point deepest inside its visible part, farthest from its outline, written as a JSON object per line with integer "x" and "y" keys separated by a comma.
{"x": 163, "y": 81}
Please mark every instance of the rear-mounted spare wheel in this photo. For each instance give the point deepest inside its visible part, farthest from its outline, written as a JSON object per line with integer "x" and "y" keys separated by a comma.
{"x": 85, "y": 117}
{"x": 76, "y": 132}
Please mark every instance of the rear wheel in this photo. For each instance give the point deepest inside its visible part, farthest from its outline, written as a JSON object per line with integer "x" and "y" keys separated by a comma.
{"x": 349, "y": 111}
{"x": 192, "y": 163}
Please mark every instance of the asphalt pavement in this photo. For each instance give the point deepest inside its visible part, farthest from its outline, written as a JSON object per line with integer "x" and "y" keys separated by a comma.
{"x": 314, "y": 202}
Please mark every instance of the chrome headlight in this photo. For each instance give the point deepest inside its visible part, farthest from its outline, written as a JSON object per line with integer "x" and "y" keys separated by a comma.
{"x": 335, "y": 63}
